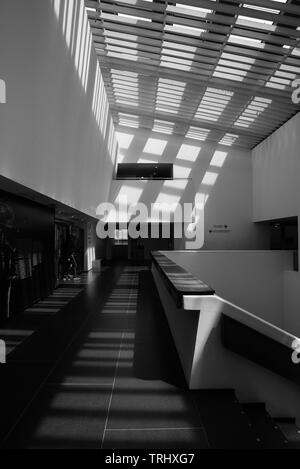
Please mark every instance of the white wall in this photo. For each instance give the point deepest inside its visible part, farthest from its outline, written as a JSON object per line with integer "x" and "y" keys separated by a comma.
{"x": 276, "y": 173}
{"x": 253, "y": 280}
{"x": 276, "y": 194}
{"x": 230, "y": 198}
{"x": 56, "y": 132}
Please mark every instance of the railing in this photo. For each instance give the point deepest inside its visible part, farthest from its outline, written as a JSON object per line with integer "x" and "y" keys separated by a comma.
{"x": 178, "y": 281}
{"x": 241, "y": 331}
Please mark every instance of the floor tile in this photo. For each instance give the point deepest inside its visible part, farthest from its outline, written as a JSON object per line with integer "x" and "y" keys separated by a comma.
{"x": 63, "y": 417}
{"x": 156, "y": 439}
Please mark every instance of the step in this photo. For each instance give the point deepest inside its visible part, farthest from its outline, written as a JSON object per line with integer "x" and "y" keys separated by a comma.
{"x": 290, "y": 430}
{"x": 224, "y": 420}
{"x": 267, "y": 431}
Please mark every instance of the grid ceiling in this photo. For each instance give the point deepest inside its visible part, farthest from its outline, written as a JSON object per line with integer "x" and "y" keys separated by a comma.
{"x": 213, "y": 70}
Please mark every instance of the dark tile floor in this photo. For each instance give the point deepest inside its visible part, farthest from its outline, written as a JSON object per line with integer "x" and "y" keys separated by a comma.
{"x": 104, "y": 373}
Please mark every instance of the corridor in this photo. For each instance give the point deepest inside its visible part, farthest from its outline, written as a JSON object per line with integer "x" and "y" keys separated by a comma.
{"x": 103, "y": 374}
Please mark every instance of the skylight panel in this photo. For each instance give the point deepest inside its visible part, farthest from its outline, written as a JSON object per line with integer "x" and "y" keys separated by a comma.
{"x": 277, "y": 86}
{"x": 163, "y": 127}
{"x": 111, "y": 47}
{"x": 165, "y": 59}
{"x": 237, "y": 58}
{"x": 166, "y": 81}
{"x": 124, "y": 81}
{"x": 123, "y": 72}
{"x": 178, "y": 54}
{"x": 228, "y": 139}
{"x": 256, "y": 106}
{"x": 170, "y": 89}
{"x": 268, "y": 10}
{"x": 169, "y": 95}
{"x": 128, "y": 120}
{"x": 290, "y": 68}
{"x": 134, "y": 18}
{"x": 119, "y": 55}
{"x": 165, "y": 109}
{"x": 282, "y": 77}
{"x": 250, "y": 18}
{"x": 126, "y": 102}
{"x": 178, "y": 47}
{"x": 280, "y": 80}
{"x": 255, "y": 23}
{"x": 229, "y": 73}
{"x": 238, "y": 67}
{"x": 194, "y": 11}
{"x": 163, "y": 94}
{"x": 168, "y": 103}
{"x": 119, "y": 35}
{"x": 121, "y": 43}
{"x": 197, "y": 133}
{"x": 188, "y": 30}
{"x": 176, "y": 66}
{"x": 247, "y": 41}
{"x": 125, "y": 88}
{"x": 120, "y": 94}
{"x": 282, "y": 74}
{"x": 207, "y": 110}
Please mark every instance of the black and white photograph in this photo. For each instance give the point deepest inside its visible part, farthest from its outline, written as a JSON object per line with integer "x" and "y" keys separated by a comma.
{"x": 149, "y": 212}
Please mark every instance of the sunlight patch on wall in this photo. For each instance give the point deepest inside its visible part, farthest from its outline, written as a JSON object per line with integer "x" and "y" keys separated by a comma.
{"x": 121, "y": 156}
{"x": 100, "y": 103}
{"x": 76, "y": 30}
{"x": 168, "y": 200}
{"x": 112, "y": 144}
{"x": 218, "y": 158}
{"x": 155, "y": 146}
{"x": 209, "y": 178}
{"x": 124, "y": 139}
{"x": 176, "y": 184}
{"x": 147, "y": 160}
{"x": 181, "y": 171}
{"x": 132, "y": 194}
{"x": 73, "y": 18}
{"x": 188, "y": 152}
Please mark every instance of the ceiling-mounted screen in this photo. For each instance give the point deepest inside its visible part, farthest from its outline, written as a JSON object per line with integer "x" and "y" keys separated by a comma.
{"x": 145, "y": 171}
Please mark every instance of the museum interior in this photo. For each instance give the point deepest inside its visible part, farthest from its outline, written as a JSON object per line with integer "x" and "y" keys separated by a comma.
{"x": 149, "y": 209}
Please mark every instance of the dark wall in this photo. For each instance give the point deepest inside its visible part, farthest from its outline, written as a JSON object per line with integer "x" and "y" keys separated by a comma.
{"x": 30, "y": 233}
